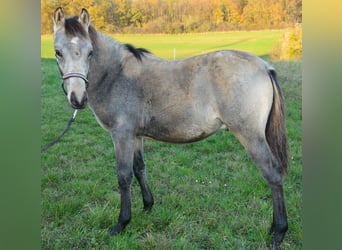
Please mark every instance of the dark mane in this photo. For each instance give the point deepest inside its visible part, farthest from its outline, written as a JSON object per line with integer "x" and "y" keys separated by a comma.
{"x": 74, "y": 28}
{"x": 137, "y": 52}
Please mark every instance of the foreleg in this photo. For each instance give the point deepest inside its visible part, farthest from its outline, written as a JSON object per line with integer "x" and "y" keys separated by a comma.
{"x": 124, "y": 149}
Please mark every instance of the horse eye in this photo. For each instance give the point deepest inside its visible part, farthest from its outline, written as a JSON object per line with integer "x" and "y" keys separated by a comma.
{"x": 59, "y": 54}
{"x": 90, "y": 55}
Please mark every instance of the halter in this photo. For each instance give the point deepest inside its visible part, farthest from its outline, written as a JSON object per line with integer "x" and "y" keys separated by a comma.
{"x": 72, "y": 74}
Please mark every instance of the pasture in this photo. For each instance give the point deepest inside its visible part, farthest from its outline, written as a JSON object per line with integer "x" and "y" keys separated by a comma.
{"x": 208, "y": 195}
{"x": 186, "y": 45}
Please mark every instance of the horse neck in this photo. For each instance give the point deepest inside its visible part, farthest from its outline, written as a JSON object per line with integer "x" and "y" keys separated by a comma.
{"x": 107, "y": 50}
{"x": 106, "y": 59}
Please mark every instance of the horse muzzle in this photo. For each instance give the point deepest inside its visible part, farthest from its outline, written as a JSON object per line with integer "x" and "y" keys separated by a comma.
{"x": 77, "y": 98}
{"x": 78, "y": 103}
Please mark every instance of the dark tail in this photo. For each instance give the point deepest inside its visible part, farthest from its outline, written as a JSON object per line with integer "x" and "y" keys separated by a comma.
{"x": 275, "y": 129}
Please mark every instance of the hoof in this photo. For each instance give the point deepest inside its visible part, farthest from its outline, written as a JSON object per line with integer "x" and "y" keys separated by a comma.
{"x": 278, "y": 233}
{"x": 148, "y": 208}
{"x": 148, "y": 204}
{"x": 115, "y": 230}
{"x": 274, "y": 246}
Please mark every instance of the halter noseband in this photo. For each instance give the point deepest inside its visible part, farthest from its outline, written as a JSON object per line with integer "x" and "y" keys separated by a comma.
{"x": 70, "y": 75}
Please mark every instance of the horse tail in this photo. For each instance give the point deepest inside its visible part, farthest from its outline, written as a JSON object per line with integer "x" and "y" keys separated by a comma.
{"x": 275, "y": 129}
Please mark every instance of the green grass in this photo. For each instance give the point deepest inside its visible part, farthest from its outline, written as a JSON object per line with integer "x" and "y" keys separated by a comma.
{"x": 257, "y": 42}
{"x": 208, "y": 195}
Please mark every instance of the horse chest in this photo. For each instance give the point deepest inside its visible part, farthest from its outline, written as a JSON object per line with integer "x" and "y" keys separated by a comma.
{"x": 101, "y": 118}
{"x": 103, "y": 123}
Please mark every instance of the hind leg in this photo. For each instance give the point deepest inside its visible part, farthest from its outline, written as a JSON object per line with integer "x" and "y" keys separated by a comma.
{"x": 140, "y": 174}
{"x": 261, "y": 154}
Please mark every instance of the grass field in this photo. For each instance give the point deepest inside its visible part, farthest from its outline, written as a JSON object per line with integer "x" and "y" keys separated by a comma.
{"x": 257, "y": 42}
{"x": 208, "y": 195}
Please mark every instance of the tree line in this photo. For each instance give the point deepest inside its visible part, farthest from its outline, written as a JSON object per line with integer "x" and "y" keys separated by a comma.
{"x": 178, "y": 16}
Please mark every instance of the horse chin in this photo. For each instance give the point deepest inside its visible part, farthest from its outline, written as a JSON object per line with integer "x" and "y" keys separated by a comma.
{"x": 78, "y": 107}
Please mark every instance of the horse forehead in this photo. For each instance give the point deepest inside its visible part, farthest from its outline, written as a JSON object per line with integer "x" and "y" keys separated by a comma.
{"x": 79, "y": 42}
{"x": 74, "y": 40}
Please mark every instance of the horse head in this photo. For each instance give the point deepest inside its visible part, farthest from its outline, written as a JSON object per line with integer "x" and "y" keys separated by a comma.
{"x": 74, "y": 51}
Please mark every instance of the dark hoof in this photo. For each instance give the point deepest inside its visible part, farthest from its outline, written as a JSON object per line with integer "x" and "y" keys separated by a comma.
{"x": 148, "y": 208}
{"x": 115, "y": 230}
{"x": 278, "y": 233}
{"x": 274, "y": 246}
{"x": 148, "y": 204}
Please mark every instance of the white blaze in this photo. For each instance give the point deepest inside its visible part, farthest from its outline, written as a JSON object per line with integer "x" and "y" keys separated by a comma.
{"x": 74, "y": 40}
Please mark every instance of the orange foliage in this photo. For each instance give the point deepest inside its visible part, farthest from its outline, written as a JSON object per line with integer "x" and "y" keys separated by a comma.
{"x": 177, "y": 16}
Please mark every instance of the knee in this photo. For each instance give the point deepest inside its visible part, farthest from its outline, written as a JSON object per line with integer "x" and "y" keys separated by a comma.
{"x": 125, "y": 179}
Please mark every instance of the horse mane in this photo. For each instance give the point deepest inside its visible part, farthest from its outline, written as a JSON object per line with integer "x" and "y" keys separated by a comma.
{"x": 137, "y": 52}
{"x": 74, "y": 28}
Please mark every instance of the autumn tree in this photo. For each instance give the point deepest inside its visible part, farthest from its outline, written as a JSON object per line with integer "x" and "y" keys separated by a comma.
{"x": 178, "y": 16}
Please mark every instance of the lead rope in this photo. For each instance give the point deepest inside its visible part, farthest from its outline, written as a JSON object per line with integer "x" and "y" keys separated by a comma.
{"x": 72, "y": 119}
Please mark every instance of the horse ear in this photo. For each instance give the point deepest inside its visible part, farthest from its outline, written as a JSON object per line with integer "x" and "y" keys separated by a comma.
{"x": 84, "y": 18}
{"x": 58, "y": 18}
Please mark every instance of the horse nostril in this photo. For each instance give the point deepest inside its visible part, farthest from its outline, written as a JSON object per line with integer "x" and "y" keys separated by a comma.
{"x": 73, "y": 99}
{"x": 78, "y": 104}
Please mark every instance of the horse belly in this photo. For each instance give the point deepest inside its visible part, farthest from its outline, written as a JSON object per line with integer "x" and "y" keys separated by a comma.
{"x": 181, "y": 129}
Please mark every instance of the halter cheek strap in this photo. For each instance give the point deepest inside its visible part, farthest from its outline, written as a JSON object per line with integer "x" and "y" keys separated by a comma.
{"x": 72, "y": 74}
